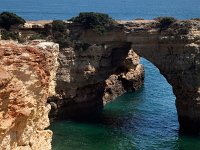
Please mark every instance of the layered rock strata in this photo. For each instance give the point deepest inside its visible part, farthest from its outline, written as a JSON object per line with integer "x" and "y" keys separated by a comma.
{"x": 27, "y": 74}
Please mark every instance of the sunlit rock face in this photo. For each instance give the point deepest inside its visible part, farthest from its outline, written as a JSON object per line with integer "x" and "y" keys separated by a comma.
{"x": 128, "y": 77}
{"x": 27, "y": 74}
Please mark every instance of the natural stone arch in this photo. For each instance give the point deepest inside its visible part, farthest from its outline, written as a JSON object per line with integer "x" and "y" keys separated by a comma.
{"x": 175, "y": 53}
{"x": 178, "y": 63}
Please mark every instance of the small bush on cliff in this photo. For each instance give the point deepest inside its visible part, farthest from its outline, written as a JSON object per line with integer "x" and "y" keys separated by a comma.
{"x": 59, "y": 26}
{"x": 8, "y": 19}
{"x": 58, "y": 32}
{"x": 98, "y": 22}
{"x": 36, "y": 36}
{"x": 165, "y": 22}
{"x": 12, "y": 35}
{"x": 7, "y": 35}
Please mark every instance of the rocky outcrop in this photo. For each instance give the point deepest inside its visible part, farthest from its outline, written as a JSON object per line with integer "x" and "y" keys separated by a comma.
{"x": 81, "y": 87}
{"x": 129, "y": 78}
{"x": 27, "y": 74}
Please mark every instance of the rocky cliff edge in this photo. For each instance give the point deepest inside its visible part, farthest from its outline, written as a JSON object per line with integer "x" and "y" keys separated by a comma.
{"x": 27, "y": 74}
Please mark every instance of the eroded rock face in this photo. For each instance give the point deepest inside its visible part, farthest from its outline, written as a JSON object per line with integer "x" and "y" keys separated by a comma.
{"x": 129, "y": 78}
{"x": 27, "y": 74}
{"x": 81, "y": 86}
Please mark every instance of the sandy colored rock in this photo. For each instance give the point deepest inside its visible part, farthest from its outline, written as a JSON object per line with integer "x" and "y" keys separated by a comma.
{"x": 26, "y": 73}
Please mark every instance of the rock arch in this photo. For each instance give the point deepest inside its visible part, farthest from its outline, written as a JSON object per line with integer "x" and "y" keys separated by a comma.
{"x": 175, "y": 51}
{"x": 178, "y": 61}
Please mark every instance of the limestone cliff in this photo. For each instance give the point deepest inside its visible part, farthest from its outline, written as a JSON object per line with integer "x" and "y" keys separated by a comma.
{"x": 82, "y": 88}
{"x": 27, "y": 74}
{"x": 130, "y": 78}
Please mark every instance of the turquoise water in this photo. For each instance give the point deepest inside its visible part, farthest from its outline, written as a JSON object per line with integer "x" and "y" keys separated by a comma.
{"x": 144, "y": 120}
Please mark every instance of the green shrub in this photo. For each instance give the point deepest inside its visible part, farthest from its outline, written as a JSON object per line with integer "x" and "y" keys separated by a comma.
{"x": 62, "y": 39}
{"x": 165, "y": 22}
{"x": 36, "y": 36}
{"x": 55, "y": 26}
{"x": 12, "y": 35}
{"x": 98, "y": 22}
{"x": 8, "y": 19}
{"x": 57, "y": 32}
{"x": 59, "y": 26}
{"x": 7, "y": 35}
{"x": 60, "y": 33}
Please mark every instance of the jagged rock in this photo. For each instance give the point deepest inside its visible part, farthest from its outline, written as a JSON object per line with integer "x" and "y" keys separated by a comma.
{"x": 81, "y": 87}
{"x": 130, "y": 79}
{"x": 27, "y": 74}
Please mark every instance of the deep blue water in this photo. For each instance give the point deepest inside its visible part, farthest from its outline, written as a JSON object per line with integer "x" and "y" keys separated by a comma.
{"x": 119, "y": 9}
{"x": 144, "y": 120}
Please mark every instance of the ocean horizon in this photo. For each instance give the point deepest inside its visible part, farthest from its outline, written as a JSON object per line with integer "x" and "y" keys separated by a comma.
{"x": 120, "y": 9}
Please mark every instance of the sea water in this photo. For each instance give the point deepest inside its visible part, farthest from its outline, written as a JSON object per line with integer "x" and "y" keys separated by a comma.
{"x": 118, "y": 9}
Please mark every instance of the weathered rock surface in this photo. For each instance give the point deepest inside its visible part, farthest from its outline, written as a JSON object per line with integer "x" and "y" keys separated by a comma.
{"x": 27, "y": 74}
{"x": 81, "y": 87}
{"x": 130, "y": 78}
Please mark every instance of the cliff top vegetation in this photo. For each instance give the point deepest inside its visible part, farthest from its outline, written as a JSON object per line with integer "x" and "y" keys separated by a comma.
{"x": 98, "y": 22}
{"x": 8, "y": 19}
